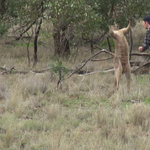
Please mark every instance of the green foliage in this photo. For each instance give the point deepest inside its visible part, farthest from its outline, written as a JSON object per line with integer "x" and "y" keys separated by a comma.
{"x": 124, "y": 9}
{"x": 101, "y": 8}
{"x": 89, "y": 14}
{"x": 59, "y": 69}
{"x": 147, "y": 100}
{"x": 104, "y": 43}
{"x": 3, "y": 29}
{"x": 83, "y": 17}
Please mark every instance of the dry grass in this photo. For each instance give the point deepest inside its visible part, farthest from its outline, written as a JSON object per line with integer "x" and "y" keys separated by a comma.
{"x": 83, "y": 115}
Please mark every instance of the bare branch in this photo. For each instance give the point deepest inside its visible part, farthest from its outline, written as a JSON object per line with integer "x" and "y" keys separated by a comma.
{"x": 145, "y": 65}
{"x": 100, "y": 71}
{"x": 103, "y": 50}
{"x": 106, "y": 51}
{"x": 102, "y": 59}
{"x": 7, "y": 70}
{"x": 18, "y": 38}
{"x": 140, "y": 54}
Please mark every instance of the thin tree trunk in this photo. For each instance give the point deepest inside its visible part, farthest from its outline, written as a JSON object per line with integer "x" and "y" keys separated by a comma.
{"x": 131, "y": 42}
{"x": 28, "y": 44}
{"x": 35, "y": 42}
{"x": 65, "y": 47}
{"x": 109, "y": 45}
{"x": 28, "y": 53}
{"x": 2, "y": 7}
{"x": 92, "y": 45}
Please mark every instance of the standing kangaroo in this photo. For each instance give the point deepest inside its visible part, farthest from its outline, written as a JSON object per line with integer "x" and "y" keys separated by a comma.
{"x": 121, "y": 56}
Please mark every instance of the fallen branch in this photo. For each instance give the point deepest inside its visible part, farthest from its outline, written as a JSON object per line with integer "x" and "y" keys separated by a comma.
{"x": 42, "y": 70}
{"x": 100, "y": 71}
{"x": 140, "y": 54}
{"x": 7, "y": 70}
{"x": 145, "y": 65}
{"x": 103, "y": 50}
{"x": 102, "y": 59}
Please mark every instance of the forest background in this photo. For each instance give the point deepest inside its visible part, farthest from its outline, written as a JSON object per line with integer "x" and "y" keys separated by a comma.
{"x": 56, "y": 87}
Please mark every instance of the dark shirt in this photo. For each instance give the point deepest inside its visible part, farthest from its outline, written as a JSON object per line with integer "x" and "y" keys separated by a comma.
{"x": 146, "y": 43}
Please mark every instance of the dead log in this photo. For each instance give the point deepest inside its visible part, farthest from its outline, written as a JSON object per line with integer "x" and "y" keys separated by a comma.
{"x": 12, "y": 70}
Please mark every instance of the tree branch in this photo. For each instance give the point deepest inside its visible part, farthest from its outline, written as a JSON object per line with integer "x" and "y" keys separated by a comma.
{"x": 145, "y": 65}
{"x": 18, "y": 38}
{"x": 103, "y": 50}
{"x": 7, "y": 70}
{"x": 140, "y": 54}
{"x": 102, "y": 59}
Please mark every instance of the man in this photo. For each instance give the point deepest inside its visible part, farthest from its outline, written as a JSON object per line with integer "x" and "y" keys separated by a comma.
{"x": 146, "y": 24}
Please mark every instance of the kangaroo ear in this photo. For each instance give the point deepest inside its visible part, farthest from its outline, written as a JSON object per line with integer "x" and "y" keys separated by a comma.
{"x": 129, "y": 20}
{"x": 116, "y": 26}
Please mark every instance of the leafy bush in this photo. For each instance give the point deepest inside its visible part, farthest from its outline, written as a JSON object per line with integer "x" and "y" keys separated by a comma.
{"x": 60, "y": 70}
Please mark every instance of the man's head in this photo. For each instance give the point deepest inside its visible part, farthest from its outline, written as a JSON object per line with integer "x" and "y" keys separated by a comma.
{"x": 146, "y": 21}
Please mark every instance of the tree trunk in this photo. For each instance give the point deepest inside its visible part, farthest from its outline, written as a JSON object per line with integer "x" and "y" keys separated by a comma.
{"x": 65, "y": 47}
{"x": 35, "y": 43}
{"x": 56, "y": 42}
{"x": 61, "y": 43}
{"x": 131, "y": 42}
{"x": 92, "y": 45}
{"x": 109, "y": 45}
{"x": 2, "y": 7}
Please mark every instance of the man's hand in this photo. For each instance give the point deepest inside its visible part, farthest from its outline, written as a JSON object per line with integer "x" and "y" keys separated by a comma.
{"x": 140, "y": 48}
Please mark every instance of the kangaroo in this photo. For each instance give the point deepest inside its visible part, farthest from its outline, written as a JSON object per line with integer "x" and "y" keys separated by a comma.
{"x": 121, "y": 56}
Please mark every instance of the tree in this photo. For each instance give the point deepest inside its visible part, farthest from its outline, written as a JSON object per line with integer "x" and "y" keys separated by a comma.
{"x": 8, "y": 12}
{"x": 119, "y": 10}
{"x": 79, "y": 19}
{"x": 65, "y": 15}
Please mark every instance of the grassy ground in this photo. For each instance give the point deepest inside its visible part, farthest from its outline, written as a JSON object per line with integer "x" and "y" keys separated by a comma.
{"x": 84, "y": 115}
